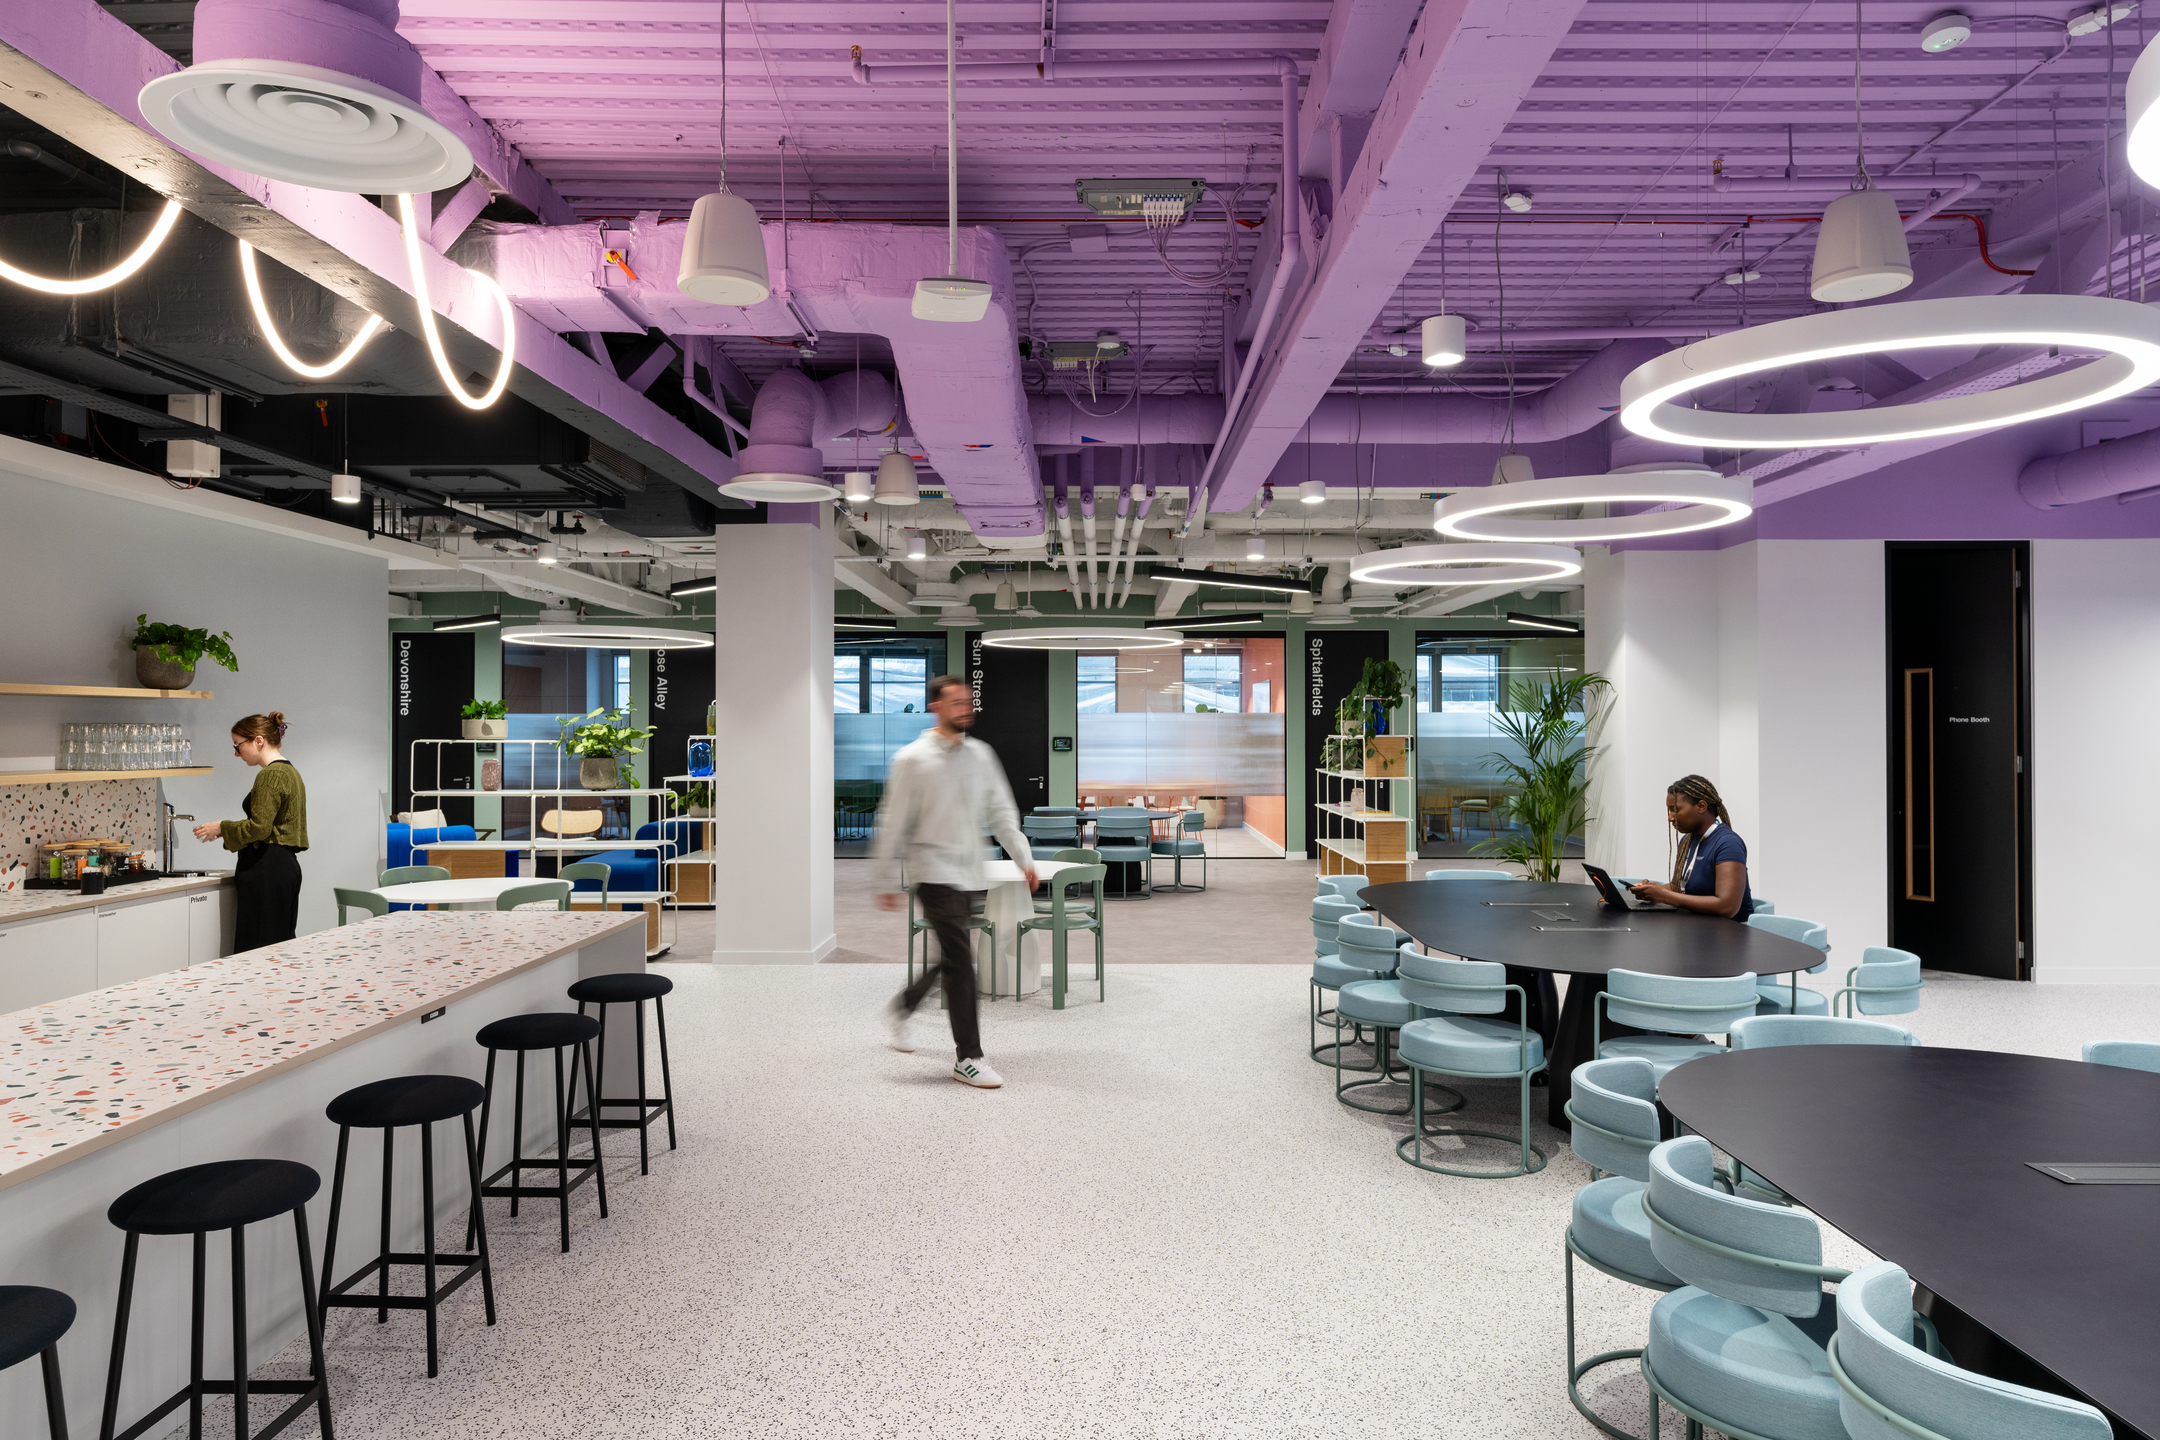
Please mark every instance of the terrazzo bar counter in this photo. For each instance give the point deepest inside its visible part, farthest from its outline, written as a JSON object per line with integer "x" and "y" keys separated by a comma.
{"x": 236, "y": 1058}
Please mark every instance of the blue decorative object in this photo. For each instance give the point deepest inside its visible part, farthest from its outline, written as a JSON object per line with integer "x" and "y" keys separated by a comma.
{"x": 701, "y": 756}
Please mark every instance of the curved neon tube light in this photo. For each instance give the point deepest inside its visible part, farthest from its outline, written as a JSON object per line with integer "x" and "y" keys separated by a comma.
{"x": 277, "y": 342}
{"x": 427, "y": 320}
{"x": 2128, "y": 335}
{"x": 149, "y": 247}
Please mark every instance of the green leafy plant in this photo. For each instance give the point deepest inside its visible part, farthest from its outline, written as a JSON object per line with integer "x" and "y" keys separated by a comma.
{"x": 1379, "y": 690}
{"x": 600, "y": 733}
{"x": 181, "y": 646}
{"x": 486, "y": 710}
{"x": 697, "y": 795}
{"x": 1549, "y": 724}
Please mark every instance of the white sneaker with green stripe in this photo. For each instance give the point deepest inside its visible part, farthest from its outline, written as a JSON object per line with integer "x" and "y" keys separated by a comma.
{"x": 977, "y": 1073}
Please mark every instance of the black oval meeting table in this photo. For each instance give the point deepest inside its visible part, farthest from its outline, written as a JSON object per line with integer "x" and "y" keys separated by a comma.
{"x": 1551, "y": 928}
{"x": 1925, "y": 1156}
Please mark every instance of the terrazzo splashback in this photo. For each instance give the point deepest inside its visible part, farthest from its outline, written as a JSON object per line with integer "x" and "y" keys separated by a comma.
{"x": 34, "y": 815}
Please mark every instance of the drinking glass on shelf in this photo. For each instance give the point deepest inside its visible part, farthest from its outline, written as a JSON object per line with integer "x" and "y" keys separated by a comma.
{"x": 71, "y": 746}
{"x": 187, "y": 748}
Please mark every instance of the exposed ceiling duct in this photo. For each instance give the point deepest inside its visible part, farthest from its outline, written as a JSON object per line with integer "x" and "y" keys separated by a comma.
{"x": 2125, "y": 469}
{"x": 791, "y": 417}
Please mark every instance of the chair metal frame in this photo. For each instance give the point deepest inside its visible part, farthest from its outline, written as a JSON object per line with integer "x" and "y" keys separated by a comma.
{"x": 535, "y": 893}
{"x": 1876, "y": 1407}
{"x": 1058, "y": 925}
{"x": 1573, "y": 1252}
{"x": 1420, "y": 1131}
{"x": 1176, "y": 857}
{"x": 918, "y": 926}
{"x": 1856, "y": 991}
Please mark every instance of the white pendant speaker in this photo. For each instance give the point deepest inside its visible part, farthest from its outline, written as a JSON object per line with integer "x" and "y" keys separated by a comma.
{"x": 896, "y": 480}
{"x": 723, "y": 257}
{"x": 1860, "y": 254}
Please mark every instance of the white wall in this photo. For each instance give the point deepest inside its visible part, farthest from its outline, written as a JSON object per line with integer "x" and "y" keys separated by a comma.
{"x": 307, "y": 623}
{"x": 2095, "y": 771}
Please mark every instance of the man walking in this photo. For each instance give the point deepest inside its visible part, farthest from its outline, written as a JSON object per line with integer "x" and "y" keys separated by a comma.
{"x": 946, "y": 792}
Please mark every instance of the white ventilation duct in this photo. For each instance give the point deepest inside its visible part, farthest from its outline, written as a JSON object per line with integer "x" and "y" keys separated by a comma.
{"x": 323, "y": 93}
{"x": 792, "y": 414}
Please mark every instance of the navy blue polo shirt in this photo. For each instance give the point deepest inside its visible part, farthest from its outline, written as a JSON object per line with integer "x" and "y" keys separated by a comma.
{"x": 1715, "y": 846}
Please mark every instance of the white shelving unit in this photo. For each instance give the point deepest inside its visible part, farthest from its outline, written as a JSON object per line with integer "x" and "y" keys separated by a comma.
{"x": 1353, "y": 839}
{"x": 562, "y": 847}
{"x": 697, "y": 872}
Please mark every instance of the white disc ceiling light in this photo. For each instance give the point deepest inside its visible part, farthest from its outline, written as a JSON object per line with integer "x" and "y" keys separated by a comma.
{"x": 1704, "y": 500}
{"x": 723, "y": 257}
{"x": 1467, "y": 564}
{"x": 325, "y": 94}
{"x": 606, "y": 637}
{"x": 1083, "y": 639}
{"x": 2125, "y": 335}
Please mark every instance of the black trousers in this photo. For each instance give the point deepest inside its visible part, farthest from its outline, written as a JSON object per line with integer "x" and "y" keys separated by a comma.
{"x": 267, "y": 908}
{"x": 947, "y": 911}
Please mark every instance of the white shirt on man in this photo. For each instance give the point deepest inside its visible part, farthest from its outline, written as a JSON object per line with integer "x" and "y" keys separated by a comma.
{"x": 941, "y": 799}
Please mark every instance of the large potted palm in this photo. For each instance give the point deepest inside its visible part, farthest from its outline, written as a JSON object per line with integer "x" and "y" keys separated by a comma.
{"x": 1549, "y": 724}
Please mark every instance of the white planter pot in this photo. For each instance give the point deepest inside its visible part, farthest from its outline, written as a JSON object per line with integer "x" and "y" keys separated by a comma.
{"x": 487, "y": 729}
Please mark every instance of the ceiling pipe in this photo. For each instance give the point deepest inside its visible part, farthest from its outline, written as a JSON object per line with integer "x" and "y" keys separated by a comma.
{"x": 1792, "y": 182}
{"x": 1087, "y": 523}
{"x": 1124, "y": 508}
{"x": 1132, "y": 549}
{"x": 2122, "y": 469}
{"x": 1258, "y": 66}
{"x": 794, "y": 414}
{"x": 1064, "y": 524}
{"x": 1289, "y": 217}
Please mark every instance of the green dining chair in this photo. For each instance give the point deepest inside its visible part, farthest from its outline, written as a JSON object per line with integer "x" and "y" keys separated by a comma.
{"x": 917, "y": 926}
{"x": 366, "y": 900}
{"x": 1066, "y": 917}
{"x": 412, "y": 874}
{"x": 538, "y": 893}
{"x": 598, "y": 870}
{"x": 1786, "y": 997}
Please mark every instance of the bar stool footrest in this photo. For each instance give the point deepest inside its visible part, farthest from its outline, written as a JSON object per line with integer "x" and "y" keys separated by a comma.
{"x": 582, "y": 1166}
{"x": 336, "y": 1294}
{"x": 306, "y": 1390}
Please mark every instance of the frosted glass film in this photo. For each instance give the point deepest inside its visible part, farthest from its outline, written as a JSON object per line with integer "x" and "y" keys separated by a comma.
{"x": 863, "y": 745}
{"x": 1194, "y": 754}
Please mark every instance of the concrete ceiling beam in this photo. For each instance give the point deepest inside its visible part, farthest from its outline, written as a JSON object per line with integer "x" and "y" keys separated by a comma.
{"x": 562, "y": 580}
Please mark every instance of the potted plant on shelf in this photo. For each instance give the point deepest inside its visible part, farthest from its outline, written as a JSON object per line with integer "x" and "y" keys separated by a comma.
{"x": 1548, "y": 724}
{"x": 165, "y": 654}
{"x": 597, "y": 738}
{"x": 1363, "y": 714}
{"x": 696, "y": 800}
{"x": 486, "y": 720}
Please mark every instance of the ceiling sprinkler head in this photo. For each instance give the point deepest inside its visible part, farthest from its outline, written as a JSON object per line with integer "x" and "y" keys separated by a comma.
{"x": 1742, "y": 277}
{"x": 2093, "y": 21}
{"x": 1398, "y": 349}
{"x": 1517, "y": 200}
{"x": 1947, "y": 32}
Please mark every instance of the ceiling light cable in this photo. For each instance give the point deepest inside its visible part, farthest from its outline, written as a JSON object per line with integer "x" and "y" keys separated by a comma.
{"x": 1861, "y": 179}
{"x": 427, "y": 319}
{"x": 324, "y": 371}
{"x": 149, "y": 247}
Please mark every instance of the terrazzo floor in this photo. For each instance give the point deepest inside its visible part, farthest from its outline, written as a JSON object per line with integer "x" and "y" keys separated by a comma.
{"x": 1164, "y": 1226}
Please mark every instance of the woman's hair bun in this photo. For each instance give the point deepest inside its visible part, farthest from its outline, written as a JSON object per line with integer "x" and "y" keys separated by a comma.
{"x": 270, "y": 727}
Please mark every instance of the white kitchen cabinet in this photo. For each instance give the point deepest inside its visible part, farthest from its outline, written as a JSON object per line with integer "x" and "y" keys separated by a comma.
{"x": 210, "y": 925}
{"x": 141, "y": 939}
{"x": 47, "y": 959}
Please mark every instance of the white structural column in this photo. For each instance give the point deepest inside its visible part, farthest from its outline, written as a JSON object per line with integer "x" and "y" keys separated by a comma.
{"x": 773, "y": 743}
{"x": 1760, "y": 667}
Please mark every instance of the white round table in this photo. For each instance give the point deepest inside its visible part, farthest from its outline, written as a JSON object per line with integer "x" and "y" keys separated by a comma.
{"x": 1008, "y": 902}
{"x": 478, "y": 893}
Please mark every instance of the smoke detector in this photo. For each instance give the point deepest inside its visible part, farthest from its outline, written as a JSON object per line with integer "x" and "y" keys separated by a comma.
{"x": 1946, "y": 32}
{"x": 1518, "y": 201}
{"x": 2093, "y": 21}
{"x": 327, "y": 96}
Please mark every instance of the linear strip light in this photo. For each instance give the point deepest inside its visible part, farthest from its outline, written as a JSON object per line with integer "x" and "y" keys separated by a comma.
{"x": 167, "y": 218}
{"x": 705, "y": 586}
{"x": 2128, "y": 333}
{"x": 1542, "y": 622}
{"x": 606, "y": 637}
{"x": 1207, "y": 622}
{"x": 427, "y": 319}
{"x": 277, "y": 342}
{"x": 1083, "y": 639}
{"x": 467, "y": 622}
{"x": 866, "y": 622}
{"x": 1707, "y": 499}
{"x": 1273, "y": 584}
{"x": 1467, "y": 564}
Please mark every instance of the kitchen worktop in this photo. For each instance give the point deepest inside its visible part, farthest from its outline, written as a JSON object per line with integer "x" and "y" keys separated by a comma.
{"x": 79, "y": 1074}
{"x": 37, "y": 904}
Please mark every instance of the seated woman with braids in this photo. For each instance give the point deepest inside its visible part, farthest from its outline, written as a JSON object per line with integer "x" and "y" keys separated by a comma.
{"x": 1710, "y": 875}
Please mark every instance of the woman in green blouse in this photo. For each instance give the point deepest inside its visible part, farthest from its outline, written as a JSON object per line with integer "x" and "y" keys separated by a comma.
{"x": 274, "y": 833}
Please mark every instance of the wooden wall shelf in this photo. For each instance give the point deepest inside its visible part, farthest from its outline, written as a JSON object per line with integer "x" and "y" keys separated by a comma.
{"x": 55, "y": 777}
{"x": 114, "y": 692}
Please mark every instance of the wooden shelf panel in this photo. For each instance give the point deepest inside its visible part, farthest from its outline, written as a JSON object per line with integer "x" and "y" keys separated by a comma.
{"x": 51, "y": 777}
{"x": 1365, "y": 817}
{"x": 115, "y": 692}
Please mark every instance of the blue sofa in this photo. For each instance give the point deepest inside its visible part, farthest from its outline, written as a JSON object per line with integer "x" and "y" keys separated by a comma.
{"x": 639, "y": 869}
{"x": 404, "y": 841}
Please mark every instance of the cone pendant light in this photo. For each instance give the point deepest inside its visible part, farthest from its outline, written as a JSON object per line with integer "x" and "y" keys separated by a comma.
{"x": 723, "y": 258}
{"x": 951, "y": 297}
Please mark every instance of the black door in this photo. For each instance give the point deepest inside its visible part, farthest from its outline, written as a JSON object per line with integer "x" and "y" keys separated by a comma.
{"x": 431, "y": 678}
{"x": 1959, "y": 838}
{"x": 1334, "y": 662}
{"x": 1012, "y": 715}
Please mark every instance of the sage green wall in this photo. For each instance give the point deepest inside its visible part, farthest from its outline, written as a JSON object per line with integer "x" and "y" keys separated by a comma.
{"x": 1064, "y": 720}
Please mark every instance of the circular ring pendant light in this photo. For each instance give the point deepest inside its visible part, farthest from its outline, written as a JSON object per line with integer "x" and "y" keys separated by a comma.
{"x": 1083, "y": 639}
{"x": 1705, "y": 499}
{"x": 1473, "y": 564}
{"x": 2128, "y": 335}
{"x": 605, "y": 637}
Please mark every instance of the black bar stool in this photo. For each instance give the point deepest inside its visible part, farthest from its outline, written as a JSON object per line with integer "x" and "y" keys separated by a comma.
{"x": 634, "y": 989}
{"x": 225, "y": 1195}
{"x": 546, "y": 1031}
{"x": 388, "y": 1106}
{"x": 32, "y": 1320}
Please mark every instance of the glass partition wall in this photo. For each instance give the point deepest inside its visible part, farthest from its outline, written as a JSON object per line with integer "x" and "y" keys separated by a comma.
{"x": 881, "y": 695}
{"x": 1198, "y": 727}
{"x": 1464, "y": 681}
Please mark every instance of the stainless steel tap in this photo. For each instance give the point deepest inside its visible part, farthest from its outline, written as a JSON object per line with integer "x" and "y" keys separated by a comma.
{"x": 171, "y": 816}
